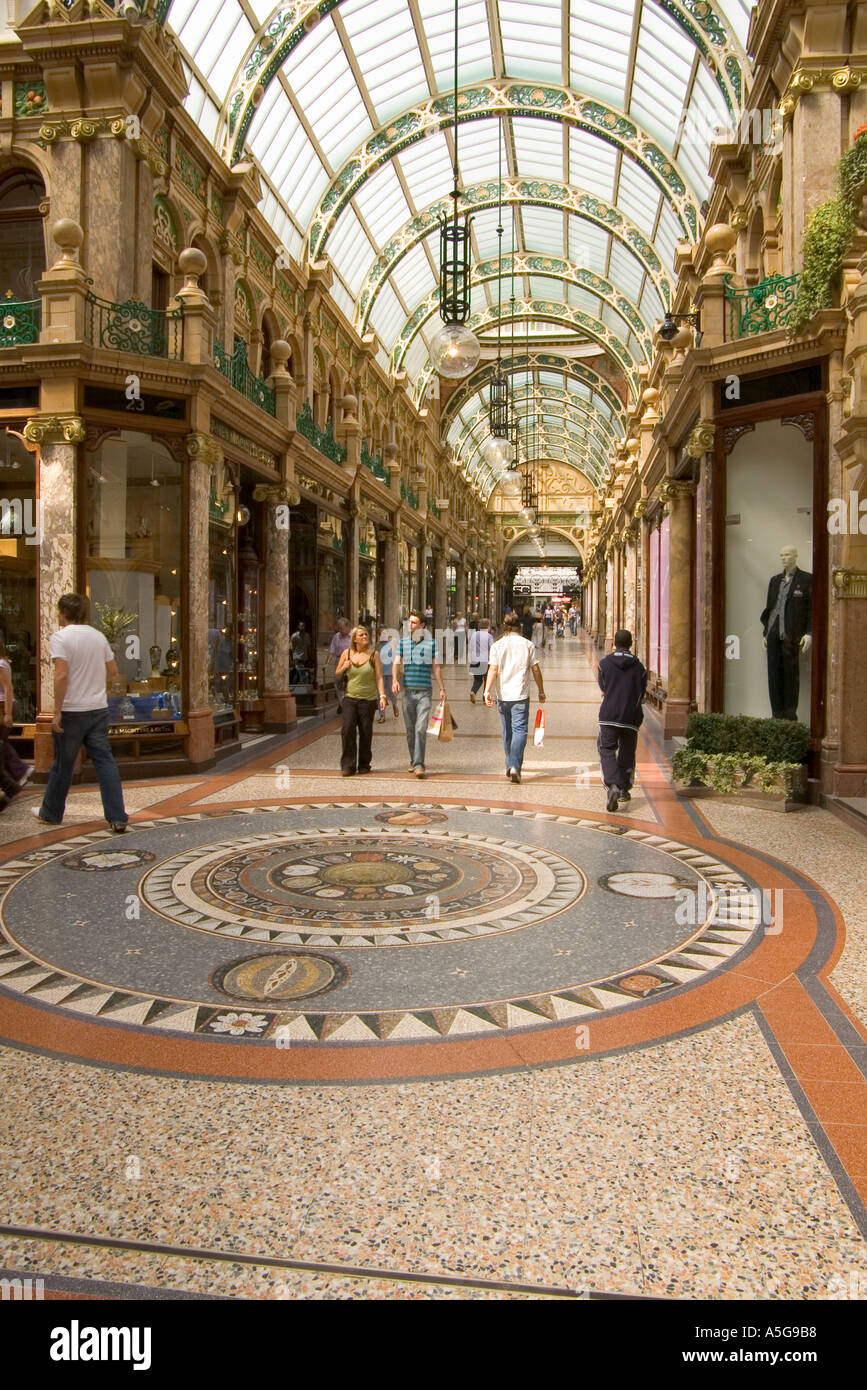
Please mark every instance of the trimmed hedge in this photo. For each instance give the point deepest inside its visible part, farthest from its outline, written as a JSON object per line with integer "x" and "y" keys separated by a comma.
{"x": 778, "y": 740}
{"x": 726, "y": 772}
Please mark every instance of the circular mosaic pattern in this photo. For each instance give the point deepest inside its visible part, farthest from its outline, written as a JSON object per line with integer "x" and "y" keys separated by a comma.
{"x": 280, "y": 978}
{"x": 360, "y": 887}
{"x": 95, "y": 860}
{"x": 645, "y": 885}
{"x": 411, "y": 817}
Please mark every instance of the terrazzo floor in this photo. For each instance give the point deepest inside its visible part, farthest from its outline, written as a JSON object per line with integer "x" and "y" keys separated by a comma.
{"x": 708, "y": 1142}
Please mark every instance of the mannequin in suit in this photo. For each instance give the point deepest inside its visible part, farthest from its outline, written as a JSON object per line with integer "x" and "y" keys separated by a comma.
{"x": 787, "y": 625}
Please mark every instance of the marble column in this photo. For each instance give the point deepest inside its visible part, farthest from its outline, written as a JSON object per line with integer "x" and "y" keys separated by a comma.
{"x": 460, "y": 588}
{"x": 676, "y": 712}
{"x": 440, "y": 606}
{"x": 280, "y": 708}
{"x": 391, "y": 582}
{"x": 200, "y": 718}
{"x": 611, "y": 602}
{"x": 57, "y": 559}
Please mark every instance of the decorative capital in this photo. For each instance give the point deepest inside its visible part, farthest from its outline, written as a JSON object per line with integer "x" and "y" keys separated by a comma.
{"x": 46, "y": 429}
{"x": 739, "y": 219}
{"x": 676, "y": 488}
{"x": 850, "y": 583}
{"x": 204, "y": 447}
{"x": 700, "y": 440}
{"x": 641, "y": 506}
{"x": 276, "y": 494}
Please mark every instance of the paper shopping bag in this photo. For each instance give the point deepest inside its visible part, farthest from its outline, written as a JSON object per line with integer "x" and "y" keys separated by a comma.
{"x": 436, "y": 720}
{"x": 447, "y": 726}
{"x": 539, "y": 733}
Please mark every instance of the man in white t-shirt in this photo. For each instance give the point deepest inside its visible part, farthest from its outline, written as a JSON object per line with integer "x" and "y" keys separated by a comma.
{"x": 512, "y": 660}
{"x": 83, "y": 663}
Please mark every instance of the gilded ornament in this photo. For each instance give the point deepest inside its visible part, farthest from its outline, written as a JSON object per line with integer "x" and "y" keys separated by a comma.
{"x": 47, "y": 428}
{"x": 700, "y": 440}
{"x": 206, "y": 448}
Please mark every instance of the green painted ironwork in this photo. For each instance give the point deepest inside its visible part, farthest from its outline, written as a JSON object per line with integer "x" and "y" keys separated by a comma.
{"x": 407, "y": 495}
{"x": 434, "y": 509}
{"x": 323, "y": 440}
{"x": 133, "y": 327}
{"x": 236, "y": 371}
{"x": 20, "y": 321}
{"x": 762, "y": 307}
{"x": 374, "y": 463}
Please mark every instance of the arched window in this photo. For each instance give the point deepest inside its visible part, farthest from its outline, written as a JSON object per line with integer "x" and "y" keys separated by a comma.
{"x": 22, "y": 239}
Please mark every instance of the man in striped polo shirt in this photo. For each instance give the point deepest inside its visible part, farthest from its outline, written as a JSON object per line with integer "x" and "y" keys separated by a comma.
{"x": 416, "y": 661}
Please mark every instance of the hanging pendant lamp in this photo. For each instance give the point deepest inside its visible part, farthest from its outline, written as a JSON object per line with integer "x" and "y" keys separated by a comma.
{"x": 454, "y": 348}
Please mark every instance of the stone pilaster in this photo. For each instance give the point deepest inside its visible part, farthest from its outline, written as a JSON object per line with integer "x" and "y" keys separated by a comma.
{"x": 440, "y": 607}
{"x": 204, "y": 454}
{"x": 57, "y": 469}
{"x": 391, "y": 582}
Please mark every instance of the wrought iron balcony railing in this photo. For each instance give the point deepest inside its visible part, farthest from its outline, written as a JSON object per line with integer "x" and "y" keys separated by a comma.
{"x": 133, "y": 327}
{"x": 20, "y": 321}
{"x": 407, "y": 495}
{"x": 762, "y": 307}
{"x": 321, "y": 439}
{"x": 374, "y": 463}
{"x": 235, "y": 369}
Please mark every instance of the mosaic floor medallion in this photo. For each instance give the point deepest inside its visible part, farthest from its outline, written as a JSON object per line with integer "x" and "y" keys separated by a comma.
{"x": 279, "y": 979}
{"x": 363, "y": 887}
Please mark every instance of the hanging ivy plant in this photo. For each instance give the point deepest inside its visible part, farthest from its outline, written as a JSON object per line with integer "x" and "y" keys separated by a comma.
{"x": 828, "y": 234}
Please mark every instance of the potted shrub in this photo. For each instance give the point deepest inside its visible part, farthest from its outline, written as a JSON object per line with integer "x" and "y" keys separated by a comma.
{"x": 737, "y": 757}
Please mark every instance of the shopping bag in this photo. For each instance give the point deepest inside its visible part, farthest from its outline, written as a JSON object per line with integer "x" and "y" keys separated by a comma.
{"x": 436, "y": 720}
{"x": 539, "y": 732}
{"x": 447, "y": 725}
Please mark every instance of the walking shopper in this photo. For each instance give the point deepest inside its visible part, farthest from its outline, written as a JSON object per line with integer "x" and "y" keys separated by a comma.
{"x": 300, "y": 647}
{"x": 480, "y": 645}
{"x": 527, "y": 621}
{"x": 623, "y": 681}
{"x": 417, "y": 664}
{"x": 83, "y": 663}
{"x": 512, "y": 660}
{"x": 8, "y": 784}
{"x": 538, "y": 635}
{"x": 364, "y": 688}
{"x": 386, "y": 647}
{"x": 339, "y": 644}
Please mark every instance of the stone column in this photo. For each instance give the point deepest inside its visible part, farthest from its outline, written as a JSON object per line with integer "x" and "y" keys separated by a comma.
{"x": 610, "y": 601}
{"x": 440, "y": 607}
{"x": 204, "y": 454}
{"x": 57, "y": 553}
{"x": 680, "y": 494}
{"x": 280, "y": 709}
{"x": 391, "y": 582}
{"x": 460, "y": 588}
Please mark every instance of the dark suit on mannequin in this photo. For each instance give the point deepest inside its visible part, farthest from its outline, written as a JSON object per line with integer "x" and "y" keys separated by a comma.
{"x": 784, "y": 626}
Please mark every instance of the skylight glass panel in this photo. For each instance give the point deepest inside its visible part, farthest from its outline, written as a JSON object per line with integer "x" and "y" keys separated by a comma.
{"x": 530, "y": 31}
{"x": 626, "y": 271}
{"x": 693, "y": 161}
{"x": 474, "y": 47}
{"x": 413, "y": 277}
{"x": 650, "y": 306}
{"x": 591, "y": 164}
{"x": 539, "y": 147}
{"x": 599, "y": 39}
{"x": 484, "y": 225}
{"x": 381, "y": 203}
{"x": 383, "y": 40}
{"x": 383, "y": 359}
{"x": 427, "y": 169}
{"x": 180, "y": 13}
{"x": 738, "y": 14}
{"x": 222, "y": 69}
{"x": 350, "y": 249}
{"x": 583, "y": 299}
{"x": 196, "y": 23}
{"x": 388, "y": 315}
{"x": 287, "y": 156}
{"x": 195, "y": 98}
{"x": 588, "y": 245}
{"x": 415, "y": 358}
{"x": 543, "y": 227}
{"x": 478, "y": 142}
{"x": 638, "y": 196}
{"x": 668, "y": 235}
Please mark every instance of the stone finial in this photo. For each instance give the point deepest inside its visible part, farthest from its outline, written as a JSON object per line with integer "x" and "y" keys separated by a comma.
{"x": 350, "y": 410}
{"x": 719, "y": 240}
{"x": 633, "y": 449}
{"x": 650, "y": 399}
{"x": 193, "y": 264}
{"x": 280, "y": 354}
{"x": 68, "y": 236}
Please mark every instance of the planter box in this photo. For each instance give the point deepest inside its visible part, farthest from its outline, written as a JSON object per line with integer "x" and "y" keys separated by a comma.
{"x": 751, "y": 796}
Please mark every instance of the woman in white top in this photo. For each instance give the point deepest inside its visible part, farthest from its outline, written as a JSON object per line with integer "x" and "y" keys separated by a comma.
{"x": 538, "y": 634}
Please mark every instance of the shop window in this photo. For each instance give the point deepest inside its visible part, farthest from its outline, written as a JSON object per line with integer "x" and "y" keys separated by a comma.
{"x": 332, "y": 576}
{"x": 19, "y": 563}
{"x": 658, "y": 596}
{"x": 222, "y": 642}
{"x": 134, "y": 518}
{"x": 160, "y": 288}
{"x": 22, "y": 238}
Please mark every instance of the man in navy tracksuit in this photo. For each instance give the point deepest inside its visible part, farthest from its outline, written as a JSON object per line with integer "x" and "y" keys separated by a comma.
{"x": 622, "y": 680}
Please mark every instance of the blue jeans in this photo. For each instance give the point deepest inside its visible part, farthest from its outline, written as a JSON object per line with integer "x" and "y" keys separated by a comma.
{"x": 90, "y": 728}
{"x": 514, "y": 716}
{"x": 416, "y": 715}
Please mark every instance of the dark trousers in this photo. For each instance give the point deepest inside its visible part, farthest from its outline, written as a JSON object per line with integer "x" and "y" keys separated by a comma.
{"x": 90, "y": 729}
{"x": 784, "y": 676}
{"x": 14, "y": 766}
{"x": 478, "y": 681}
{"x": 8, "y": 783}
{"x": 617, "y": 755}
{"x": 357, "y": 734}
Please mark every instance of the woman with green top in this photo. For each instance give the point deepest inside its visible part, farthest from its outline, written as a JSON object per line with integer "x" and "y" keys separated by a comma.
{"x": 364, "y": 690}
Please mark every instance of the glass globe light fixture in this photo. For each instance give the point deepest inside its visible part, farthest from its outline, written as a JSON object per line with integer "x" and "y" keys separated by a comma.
{"x": 528, "y": 513}
{"x": 534, "y": 530}
{"x": 454, "y": 350}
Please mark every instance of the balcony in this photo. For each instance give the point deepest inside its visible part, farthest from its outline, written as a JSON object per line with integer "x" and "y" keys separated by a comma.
{"x": 373, "y": 462}
{"x": 761, "y": 308}
{"x": 235, "y": 369}
{"x": 321, "y": 439}
{"x": 407, "y": 495}
{"x": 20, "y": 321}
{"x": 133, "y": 327}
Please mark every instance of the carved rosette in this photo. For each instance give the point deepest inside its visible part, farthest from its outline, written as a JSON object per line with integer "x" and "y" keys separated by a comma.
{"x": 44, "y": 429}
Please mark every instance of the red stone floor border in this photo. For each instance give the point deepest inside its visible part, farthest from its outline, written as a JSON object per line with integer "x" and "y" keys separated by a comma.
{"x": 821, "y": 1063}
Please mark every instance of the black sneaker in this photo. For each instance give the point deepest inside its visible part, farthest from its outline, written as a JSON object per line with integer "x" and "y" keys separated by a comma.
{"x": 613, "y": 798}
{"x": 514, "y": 775}
{"x": 625, "y": 796}
{"x": 119, "y": 827}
